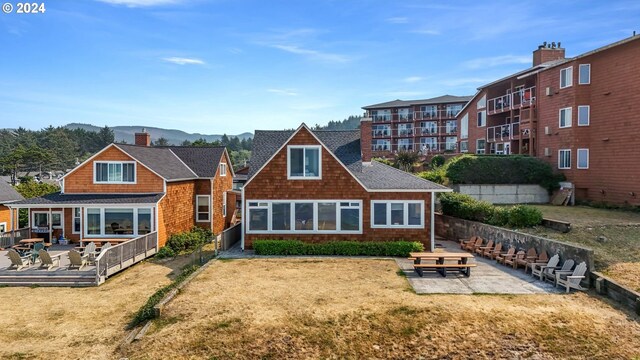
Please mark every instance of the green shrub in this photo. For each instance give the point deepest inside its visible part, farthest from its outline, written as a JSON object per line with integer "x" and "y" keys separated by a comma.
{"x": 524, "y": 216}
{"x": 437, "y": 161}
{"x": 500, "y": 216}
{"x": 188, "y": 241}
{"x": 501, "y": 169}
{"x": 346, "y": 248}
{"x": 386, "y": 162}
{"x": 437, "y": 176}
{"x": 165, "y": 252}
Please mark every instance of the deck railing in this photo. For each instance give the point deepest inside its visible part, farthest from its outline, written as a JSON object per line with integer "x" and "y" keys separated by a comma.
{"x": 121, "y": 256}
{"x": 10, "y": 238}
{"x": 503, "y": 132}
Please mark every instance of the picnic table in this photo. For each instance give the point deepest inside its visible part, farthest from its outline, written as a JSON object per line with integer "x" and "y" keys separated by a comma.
{"x": 100, "y": 242}
{"x": 437, "y": 261}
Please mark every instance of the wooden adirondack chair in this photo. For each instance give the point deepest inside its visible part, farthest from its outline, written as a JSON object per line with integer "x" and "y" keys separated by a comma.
{"x": 501, "y": 258}
{"x": 464, "y": 243}
{"x": 513, "y": 261}
{"x": 76, "y": 260}
{"x": 47, "y": 260}
{"x": 567, "y": 267}
{"x": 572, "y": 281}
{"x": 530, "y": 256}
{"x": 471, "y": 247}
{"x": 491, "y": 254}
{"x": 537, "y": 268}
{"x": 18, "y": 261}
{"x": 543, "y": 258}
{"x": 481, "y": 249}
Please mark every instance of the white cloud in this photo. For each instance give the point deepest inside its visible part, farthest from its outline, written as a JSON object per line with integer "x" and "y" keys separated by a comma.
{"x": 404, "y": 94}
{"x": 287, "y": 92}
{"x": 141, "y": 3}
{"x": 497, "y": 61}
{"x": 413, "y": 79}
{"x": 397, "y": 20}
{"x": 426, "y": 31}
{"x": 184, "y": 61}
{"x": 315, "y": 54}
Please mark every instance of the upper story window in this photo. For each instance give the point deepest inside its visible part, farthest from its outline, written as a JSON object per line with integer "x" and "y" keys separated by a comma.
{"x": 583, "y": 115}
{"x": 482, "y": 103}
{"x": 114, "y": 172}
{"x": 566, "y": 77}
{"x": 223, "y": 169}
{"x": 482, "y": 118}
{"x": 584, "y": 74}
{"x": 304, "y": 162}
{"x": 565, "y": 117}
{"x": 453, "y": 110}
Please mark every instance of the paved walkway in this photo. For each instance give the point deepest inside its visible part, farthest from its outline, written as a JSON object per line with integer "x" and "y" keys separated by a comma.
{"x": 488, "y": 277}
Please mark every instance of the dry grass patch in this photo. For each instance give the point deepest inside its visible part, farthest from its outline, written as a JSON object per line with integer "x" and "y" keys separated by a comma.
{"x": 341, "y": 308}
{"x": 77, "y": 323}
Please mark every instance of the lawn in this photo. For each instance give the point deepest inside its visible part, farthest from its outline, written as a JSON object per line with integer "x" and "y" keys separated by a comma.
{"x": 77, "y": 323}
{"x": 344, "y": 308}
{"x": 613, "y": 235}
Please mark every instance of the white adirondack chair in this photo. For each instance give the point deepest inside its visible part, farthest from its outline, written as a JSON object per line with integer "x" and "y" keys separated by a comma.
{"x": 572, "y": 280}
{"x": 89, "y": 253}
{"x": 49, "y": 261}
{"x": 551, "y": 273}
{"x": 538, "y": 268}
{"x": 18, "y": 261}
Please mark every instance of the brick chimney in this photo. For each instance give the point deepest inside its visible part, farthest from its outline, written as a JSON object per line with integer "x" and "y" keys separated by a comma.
{"x": 143, "y": 138}
{"x": 547, "y": 52}
{"x": 365, "y": 139}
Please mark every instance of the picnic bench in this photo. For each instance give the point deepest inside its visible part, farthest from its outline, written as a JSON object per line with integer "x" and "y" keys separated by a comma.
{"x": 437, "y": 261}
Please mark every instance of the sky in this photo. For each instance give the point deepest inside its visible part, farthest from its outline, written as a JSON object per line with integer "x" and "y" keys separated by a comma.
{"x": 230, "y": 66}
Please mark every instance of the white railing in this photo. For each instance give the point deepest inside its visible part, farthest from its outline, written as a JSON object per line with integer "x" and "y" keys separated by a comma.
{"x": 423, "y": 148}
{"x": 503, "y": 132}
{"x": 121, "y": 256}
{"x": 521, "y": 97}
{"x": 412, "y": 115}
{"x": 415, "y": 131}
{"x": 10, "y": 238}
{"x": 436, "y": 115}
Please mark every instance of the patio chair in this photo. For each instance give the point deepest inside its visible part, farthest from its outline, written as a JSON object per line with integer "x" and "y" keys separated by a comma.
{"x": 513, "y": 261}
{"x": 530, "y": 256}
{"x": 481, "y": 249}
{"x": 18, "y": 261}
{"x": 567, "y": 267}
{"x": 89, "y": 253}
{"x": 35, "y": 253}
{"x": 537, "y": 268}
{"x": 103, "y": 248}
{"x": 494, "y": 252}
{"x": 48, "y": 261}
{"x": 472, "y": 246}
{"x": 501, "y": 258}
{"x": 543, "y": 258}
{"x": 464, "y": 243}
{"x": 76, "y": 260}
{"x": 572, "y": 281}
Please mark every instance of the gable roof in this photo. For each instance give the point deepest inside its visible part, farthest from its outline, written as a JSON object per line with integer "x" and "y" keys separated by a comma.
{"x": 8, "y": 193}
{"x": 160, "y": 160}
{"x": 90, "y": 199}
{"x": 444, "y": 99}
{"x": 203, "y": 161}
{"x": 345, "y": 146}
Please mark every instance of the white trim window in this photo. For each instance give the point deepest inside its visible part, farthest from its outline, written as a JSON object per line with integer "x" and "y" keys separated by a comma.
{"x": 566, "y": 77}
{"x": 482, "y": 102}
{"x": 583, "y": 159}
{"x": 564, "y": 159}
{"x": 482, "y": 118}
{"x": 76, "y": 215}
{"x": 40, "y": 219}
{"x": 481, "y": 145}
{"x": 117, "y": 222}
{"x": 584, "y": 115}
{"x": 464, "y": 146}
{"x": 464, "y": 126}
{"x": 203, "y": 208}
{"x": 584, "y": 74}
{"x": 304, "y": 216}
{"x": 114, "y": 172}
{"x": 304, "y": 162}
{"x": 223, "y": 169}
{"x": 224, "y": 204}
{"x": 3, "y": 227}
{"x": 564, "y": 117}
{"x": 397, "y": 214}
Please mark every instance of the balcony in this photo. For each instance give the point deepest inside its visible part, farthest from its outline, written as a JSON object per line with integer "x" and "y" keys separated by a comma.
{"x": 519, "y": 99}
{"x": 505, "y": 132}
{"x": 403, "y": 117}
{"x": 381, "y": 118}
{"x": 376, "y": 134}
{"x": 436, "y": 115}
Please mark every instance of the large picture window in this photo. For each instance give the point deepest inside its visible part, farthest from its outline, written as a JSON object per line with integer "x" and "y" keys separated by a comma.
{"x": 397, "y": 214}
{"x": 304, "y": 216}
{"x": 304, "y": 162}
{"x": 113, "y": 172}
{"x": 116, "y": 222}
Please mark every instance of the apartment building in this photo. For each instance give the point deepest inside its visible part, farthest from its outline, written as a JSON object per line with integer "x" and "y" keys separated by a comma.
{"x": 426, "y": 126}
{"x": 580, "y": 114}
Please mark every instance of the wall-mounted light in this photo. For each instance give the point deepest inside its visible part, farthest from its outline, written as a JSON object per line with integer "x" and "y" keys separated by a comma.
{"x": 632, "y": 193}
{"x": 602, "y": 191}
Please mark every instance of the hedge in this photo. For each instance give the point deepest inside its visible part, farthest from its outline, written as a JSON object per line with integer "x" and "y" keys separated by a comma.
{"x": 465, "y": 207}
{"x": 501, "y": 169}
{"x": 185, "y": 242}
{"x": 347, "y": 248}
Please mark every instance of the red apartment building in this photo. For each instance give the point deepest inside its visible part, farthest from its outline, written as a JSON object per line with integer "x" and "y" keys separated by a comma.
{"x": 427, "y": 126}
{"x": 581, "y": 114}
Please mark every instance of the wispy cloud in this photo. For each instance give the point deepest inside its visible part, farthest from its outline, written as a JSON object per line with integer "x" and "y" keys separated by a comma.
{"x": 413, "y": 79}
{"x": 287, "y": 92}
{"x": 405, "y": 94}
{"x": 465, "y": 81}
{"x": 397, "y": 20}
{"x": 497, "y": 61}
{"x": 184, "y": 61}
{"x": 426, "y": 31}
{"x": 141, "y": 3}
{"x": 314, "y": 54}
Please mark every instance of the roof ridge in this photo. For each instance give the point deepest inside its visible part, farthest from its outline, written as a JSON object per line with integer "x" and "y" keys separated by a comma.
{"x": 410, "y": 174}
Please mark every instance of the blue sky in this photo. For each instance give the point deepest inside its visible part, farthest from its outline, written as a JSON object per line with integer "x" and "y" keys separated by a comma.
{"x": 229, "y": 66}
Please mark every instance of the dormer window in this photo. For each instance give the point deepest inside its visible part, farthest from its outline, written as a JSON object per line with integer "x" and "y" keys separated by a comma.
{"x": 114, "y": 172}
{"x": 304, "y": 162}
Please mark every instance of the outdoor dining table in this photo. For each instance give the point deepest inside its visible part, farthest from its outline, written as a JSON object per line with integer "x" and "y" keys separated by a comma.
{"x": 101, "y": 242}
{"x": 439, "y": 257}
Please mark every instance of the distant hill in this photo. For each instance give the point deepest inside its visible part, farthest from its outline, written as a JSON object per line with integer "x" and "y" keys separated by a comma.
{"x": 175, "y": 137}
{"x": 350, "y": 123}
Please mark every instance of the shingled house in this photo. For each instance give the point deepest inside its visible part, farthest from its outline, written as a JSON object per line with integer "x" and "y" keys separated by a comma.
{"x": 8, "y": 195}
{"x": 131, "y": 190}
{"x": 321, "y": 186}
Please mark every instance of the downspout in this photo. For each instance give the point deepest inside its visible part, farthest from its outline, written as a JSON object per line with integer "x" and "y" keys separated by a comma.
{"x": 243, "y": 220}
{"x": 433, "y": 216}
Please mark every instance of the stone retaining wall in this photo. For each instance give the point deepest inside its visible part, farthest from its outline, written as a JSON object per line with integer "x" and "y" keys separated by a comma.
{"x": 611, "y": 289}
{"x": 505, "y": 194}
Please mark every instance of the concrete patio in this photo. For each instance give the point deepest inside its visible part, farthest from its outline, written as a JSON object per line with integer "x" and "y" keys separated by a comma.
{"x": 487, "y": 278}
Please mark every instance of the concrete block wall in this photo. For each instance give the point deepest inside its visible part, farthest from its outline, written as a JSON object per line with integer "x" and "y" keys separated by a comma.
{"x": 505, "y": 193}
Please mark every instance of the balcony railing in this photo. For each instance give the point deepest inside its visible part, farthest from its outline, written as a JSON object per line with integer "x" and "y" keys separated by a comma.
{"x": 421, "y": 147}
{"x": 516, "y": 100}
{"x": 415, "y": 131}
{"x": 381, "y": 133}
{"x": 412, "y": 116}
{"x": 503, "y": 132}
{"x": 436, "y": 115}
